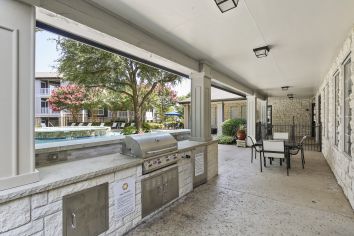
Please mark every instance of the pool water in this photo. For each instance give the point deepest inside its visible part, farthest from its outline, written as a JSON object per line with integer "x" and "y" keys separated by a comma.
{"x": 54, "y": 140}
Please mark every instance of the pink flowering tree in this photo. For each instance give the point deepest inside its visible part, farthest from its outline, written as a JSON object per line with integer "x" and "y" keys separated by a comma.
{"x": 68, "y": 97}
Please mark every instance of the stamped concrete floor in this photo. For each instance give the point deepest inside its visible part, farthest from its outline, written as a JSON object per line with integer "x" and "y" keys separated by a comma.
{"x": 244, "y": 201}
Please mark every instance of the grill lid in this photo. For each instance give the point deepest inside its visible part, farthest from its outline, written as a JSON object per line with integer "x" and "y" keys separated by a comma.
{"x": 148, "y": 145}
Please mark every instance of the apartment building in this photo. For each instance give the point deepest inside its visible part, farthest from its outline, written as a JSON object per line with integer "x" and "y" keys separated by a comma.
{"x": 45, "y": 82}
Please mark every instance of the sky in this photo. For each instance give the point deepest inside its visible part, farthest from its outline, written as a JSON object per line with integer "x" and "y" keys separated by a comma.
{"x": 46, "y": 55}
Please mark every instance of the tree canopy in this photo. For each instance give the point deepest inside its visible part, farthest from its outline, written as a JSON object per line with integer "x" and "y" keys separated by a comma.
{"x": 68, "y": 97}
{"x": 91, "y": 67}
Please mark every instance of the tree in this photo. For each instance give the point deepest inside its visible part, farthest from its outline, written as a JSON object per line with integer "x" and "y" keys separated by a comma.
{"x": 91, "y": 67}
{"x": 163, "y": 98}
{"x": 68, "y": 97}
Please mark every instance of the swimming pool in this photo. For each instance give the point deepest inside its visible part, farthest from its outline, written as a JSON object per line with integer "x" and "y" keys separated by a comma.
{"x": 58, "y": 134}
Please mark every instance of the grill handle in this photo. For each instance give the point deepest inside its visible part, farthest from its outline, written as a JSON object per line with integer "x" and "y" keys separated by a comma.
{"x": 161, "y": 150}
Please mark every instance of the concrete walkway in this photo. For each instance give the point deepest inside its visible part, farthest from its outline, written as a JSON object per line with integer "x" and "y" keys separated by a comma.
{"x": 244, "y": 201}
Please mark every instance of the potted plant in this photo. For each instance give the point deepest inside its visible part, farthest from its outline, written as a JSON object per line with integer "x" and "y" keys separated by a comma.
{"x": 241, "y": 133}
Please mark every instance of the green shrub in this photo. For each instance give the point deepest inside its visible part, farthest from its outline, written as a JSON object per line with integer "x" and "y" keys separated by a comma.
{"x": 229, "y": 127}
{"x": 153, "y": 125}
{"x": 223, "y": 139}
{"x": 129, "y": 130}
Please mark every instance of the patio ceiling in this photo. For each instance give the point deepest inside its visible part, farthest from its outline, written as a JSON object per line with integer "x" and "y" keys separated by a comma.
{"x": 304, "y": 36}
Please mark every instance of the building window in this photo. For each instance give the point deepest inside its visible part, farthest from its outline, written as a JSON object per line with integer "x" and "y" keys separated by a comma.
{"x": 327, "y": 109}
{"x": 336, "y": 107}
{"x": 100, "y": 112}
{"x": 347, "y": 110}
{"x": 233, "y": 112}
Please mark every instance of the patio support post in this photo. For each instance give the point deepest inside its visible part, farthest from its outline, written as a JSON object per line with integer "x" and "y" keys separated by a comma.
{"x": 251, "y": 117}
{"x": 17, "y": 25}
{"x": 201, "y": 105}
{"x": 186, "y": 116}
{"x": 219, "y": 117}
{"x": 263, "y": 111}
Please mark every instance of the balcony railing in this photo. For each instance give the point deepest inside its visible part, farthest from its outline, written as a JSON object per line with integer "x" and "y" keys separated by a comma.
{"x": 45, "y": 91}
{"x": 48, "y": 111}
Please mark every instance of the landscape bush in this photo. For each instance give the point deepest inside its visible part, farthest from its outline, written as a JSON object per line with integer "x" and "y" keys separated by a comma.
{"x": 223, "y": 139}
{"x": 230, "y": 126}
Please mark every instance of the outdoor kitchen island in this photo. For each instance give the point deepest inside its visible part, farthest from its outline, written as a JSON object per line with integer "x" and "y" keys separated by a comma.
{"x": 103, "y": 194}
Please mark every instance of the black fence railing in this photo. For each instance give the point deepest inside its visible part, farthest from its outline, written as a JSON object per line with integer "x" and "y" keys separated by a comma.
{"x": 296, "y": 133}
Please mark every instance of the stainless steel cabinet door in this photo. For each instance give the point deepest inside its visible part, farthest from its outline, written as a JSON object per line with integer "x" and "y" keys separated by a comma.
{"x": 170, "y": 185}
{"x": 86, "y": 212}
{"x": 151, "y": 194}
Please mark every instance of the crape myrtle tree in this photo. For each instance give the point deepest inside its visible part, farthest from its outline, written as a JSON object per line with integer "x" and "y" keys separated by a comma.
{"x": 68, "y": 97}
{"x": 92, "y": 67}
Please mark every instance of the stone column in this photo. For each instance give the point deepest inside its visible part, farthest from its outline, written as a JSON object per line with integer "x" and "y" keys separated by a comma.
{"x": 186, "y": 116}
{"x": 201, "y": 107}
{"x": 219, "y": 116}
{"x": 17, "y": 24}
{"x": 251, "y": 116}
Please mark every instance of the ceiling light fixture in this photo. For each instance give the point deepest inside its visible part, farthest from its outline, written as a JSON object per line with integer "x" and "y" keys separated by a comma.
{"x": 290, "y": 96}
{"x": 261, "y": 52}
{"x": 285, "y": 88}
{"x": 226, "y": 5}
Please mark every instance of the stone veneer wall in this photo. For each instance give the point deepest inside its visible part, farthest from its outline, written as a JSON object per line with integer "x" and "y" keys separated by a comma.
{"x": 41, "y": 213}
{"x": 284, "y": 110}
{"x": 238, "y": 105}
{"x": 341, "y": 164}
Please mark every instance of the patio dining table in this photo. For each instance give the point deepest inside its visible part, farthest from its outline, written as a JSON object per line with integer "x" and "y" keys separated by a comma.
{"x": 287, "y": 144}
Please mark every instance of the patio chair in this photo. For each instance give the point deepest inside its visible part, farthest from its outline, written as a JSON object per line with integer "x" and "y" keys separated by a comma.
{"x": 122, "y": 126}
{"x": 299, "y": 148}
{"x": 89, "y": 124}
{"x": 132, "y": 124}
{"x": 81, "y": 124}
{"x": 102, "y": 125}
{"x": 274, "y": 149}
{"x": 43, "y": 125}
{"x": 255, "y": 148}
{"x": 114, "y": 125}
{"x": 73, "y": 124}
{"x": 281, "y": 135}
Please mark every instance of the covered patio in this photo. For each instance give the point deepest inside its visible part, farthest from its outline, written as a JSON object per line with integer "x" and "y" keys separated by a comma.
{"x": 244, "y": 201}
{"x": 213, "y": 190}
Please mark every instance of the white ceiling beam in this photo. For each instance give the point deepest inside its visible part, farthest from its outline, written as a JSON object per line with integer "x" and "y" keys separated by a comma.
{"x": 128, "y": 37}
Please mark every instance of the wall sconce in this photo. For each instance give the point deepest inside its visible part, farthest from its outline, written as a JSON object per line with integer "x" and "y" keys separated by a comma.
{"x": 226, "y": 5}
{"x": 261, "y": 52}
{"x": 285, "y": 88}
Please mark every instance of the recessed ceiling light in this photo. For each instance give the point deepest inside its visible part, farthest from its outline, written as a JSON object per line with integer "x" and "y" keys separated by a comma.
{"x": 261, "y": 51}
{"x": 226, "y": 5}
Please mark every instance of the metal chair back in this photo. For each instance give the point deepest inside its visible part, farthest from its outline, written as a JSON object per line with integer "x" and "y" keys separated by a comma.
{"x": 274, "y": 149}
{"x": 281, "y": 135}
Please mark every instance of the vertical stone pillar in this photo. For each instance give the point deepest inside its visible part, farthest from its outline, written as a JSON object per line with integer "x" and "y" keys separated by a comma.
{"x": 186, "y": 116}
{"x": 219, "y": 116}
{"x": 251, "y": 116}
{"x": 17, "y": 24}
{"x": 201, "y": 107}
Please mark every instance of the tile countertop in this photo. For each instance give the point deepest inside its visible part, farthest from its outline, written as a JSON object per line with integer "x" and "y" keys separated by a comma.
{"x": 59, "y": 175}
{"x": 71, "y": 172}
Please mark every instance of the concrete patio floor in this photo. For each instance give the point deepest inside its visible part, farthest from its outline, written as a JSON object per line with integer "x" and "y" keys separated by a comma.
{"x": 244, "y": 201}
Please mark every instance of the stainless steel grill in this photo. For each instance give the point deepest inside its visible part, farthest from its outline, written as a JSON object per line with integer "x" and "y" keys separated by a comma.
{"x": 158, "y": 150}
